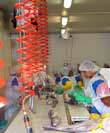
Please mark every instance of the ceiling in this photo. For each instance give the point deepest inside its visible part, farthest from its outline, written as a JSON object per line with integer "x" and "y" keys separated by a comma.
{"x": 85, "y": 16}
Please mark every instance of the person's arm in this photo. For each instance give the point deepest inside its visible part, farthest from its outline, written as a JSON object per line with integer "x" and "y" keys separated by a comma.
{"x": 80, "y": 97}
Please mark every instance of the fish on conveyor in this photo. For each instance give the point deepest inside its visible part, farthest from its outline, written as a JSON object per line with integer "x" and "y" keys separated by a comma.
{"x": 83, "y": 127}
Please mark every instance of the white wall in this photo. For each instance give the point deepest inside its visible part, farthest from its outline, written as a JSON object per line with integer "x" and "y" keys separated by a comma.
{"x": 5, "y": 54}
{"x": 81, "y": 46}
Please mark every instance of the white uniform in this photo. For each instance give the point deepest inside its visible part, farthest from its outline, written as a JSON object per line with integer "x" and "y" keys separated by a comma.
{"x": 72, "y": 79}
{"x": 39, "y": 79}
{"x": 71, "y": 89}
{"x": 89, "y": 91}
{"x": 99, "y": 105}
{"x": 65, "y": 70}
{"x": 12, "y": 94}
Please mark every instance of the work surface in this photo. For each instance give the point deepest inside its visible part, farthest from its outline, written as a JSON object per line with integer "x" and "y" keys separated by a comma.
{"x": 40, "y": 118}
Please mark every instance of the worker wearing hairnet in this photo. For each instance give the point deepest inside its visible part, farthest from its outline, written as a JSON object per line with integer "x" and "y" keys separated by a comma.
{"x": 39, "y": 79}
{"x": 65, "y": 69}
{"x": 90, "y": 71}
{"x": 13, "y": 95}
{"x": 97, "y": 91}
{"x": 72, "y": 77}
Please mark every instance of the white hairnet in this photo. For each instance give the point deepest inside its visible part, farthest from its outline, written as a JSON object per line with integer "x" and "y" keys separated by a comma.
{"x": 88, "y": 65}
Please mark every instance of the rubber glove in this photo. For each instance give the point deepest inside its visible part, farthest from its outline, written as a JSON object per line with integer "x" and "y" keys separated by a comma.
{"x": 71, "y": 94}
{"x": 75, "y": 93}
{"x": 83, "y": 99}
{"x": 59, "y": 91}
{"x": 94, "y": 116}
{"x": 88, "y": 100}
{"x": 79, "y": 97}
{"x": 77, "y": 87}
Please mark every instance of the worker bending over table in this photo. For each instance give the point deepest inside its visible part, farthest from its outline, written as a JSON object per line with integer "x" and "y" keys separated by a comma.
{"x": 97, "y": 91}
{"x": 96, "y": 94}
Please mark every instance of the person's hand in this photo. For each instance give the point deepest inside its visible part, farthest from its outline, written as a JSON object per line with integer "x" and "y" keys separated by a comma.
{"x": 72, "y": 94}
{"x": 59, "y": 91}
{"x": 75, "y": 93}
{"x": 83, "y": 99}
{"x": 88, "y": 100}
{"x": 80, "y": 98}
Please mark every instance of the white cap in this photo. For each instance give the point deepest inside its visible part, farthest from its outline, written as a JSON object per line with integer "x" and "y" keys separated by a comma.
{"x": 88, "y": 65}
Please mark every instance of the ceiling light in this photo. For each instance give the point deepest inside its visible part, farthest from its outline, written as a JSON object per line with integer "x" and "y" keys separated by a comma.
{"x": 67, "y": 3}
{"x": 2, "y": 105}
{"x": 66, "y": 35}
{"x": 3, "y": 101}
{"x": 45, "y": 66}
{"x": 64, "y": 12}
{"x": 64, "y": 21}
{"x": 63, "y": 31}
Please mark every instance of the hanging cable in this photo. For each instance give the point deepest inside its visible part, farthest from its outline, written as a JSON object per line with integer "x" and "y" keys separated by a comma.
{"x": 71, "y": 52}
{"x": 26, "y": 61}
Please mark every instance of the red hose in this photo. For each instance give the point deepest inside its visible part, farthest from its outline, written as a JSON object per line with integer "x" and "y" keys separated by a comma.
{"x": 34, "y": 42}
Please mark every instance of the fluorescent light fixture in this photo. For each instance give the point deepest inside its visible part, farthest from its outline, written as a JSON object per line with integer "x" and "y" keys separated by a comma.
{"x": 45, "y": 66}
{"x": 64, "y": 21}
{"x": 66, "y": 34}
{"x": 64, "y": 12}
{"x": 63, "y": 31}
{"x": 2, "y": 105}
{"x": 67, "y": 3}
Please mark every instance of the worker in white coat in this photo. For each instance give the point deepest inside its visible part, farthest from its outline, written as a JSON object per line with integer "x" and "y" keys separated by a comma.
{"x": 65, "y": 69}
{"x": 90, "y": 71}
{"x": 13, "y": 95}
{"x": 101, "y": 104}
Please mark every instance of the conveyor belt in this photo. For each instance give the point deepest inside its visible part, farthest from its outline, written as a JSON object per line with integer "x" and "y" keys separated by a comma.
{"x": 39, "y": 119}
{"x": 67, "y": 111}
